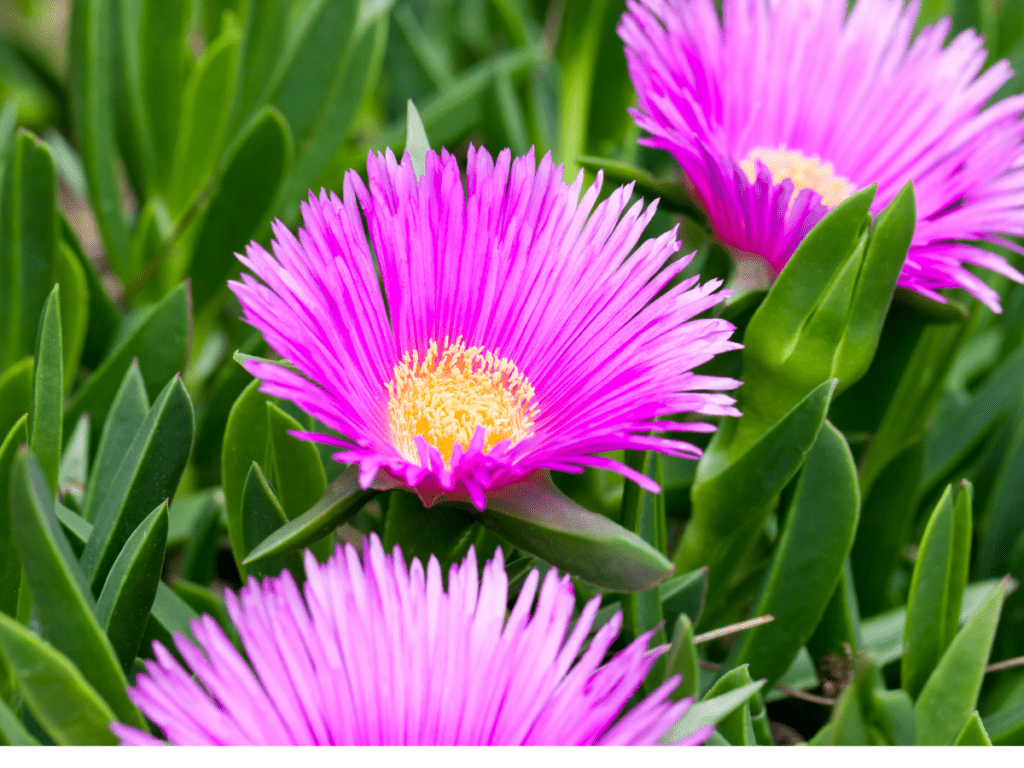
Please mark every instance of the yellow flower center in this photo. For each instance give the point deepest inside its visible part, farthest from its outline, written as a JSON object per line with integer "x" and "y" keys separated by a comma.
{"x": 805, "y": 173}
{"x": 451, "y": 391}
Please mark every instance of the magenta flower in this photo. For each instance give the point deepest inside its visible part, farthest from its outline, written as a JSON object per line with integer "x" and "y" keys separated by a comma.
{"x": 378, "y": 653}
{"x": 783, "y": 109}
{"x": 513, "y": 327}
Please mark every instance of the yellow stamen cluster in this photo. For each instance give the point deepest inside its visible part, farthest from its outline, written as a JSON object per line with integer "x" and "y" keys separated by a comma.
{"x": 451, "y": 391}
{"x": 805, "y": 173}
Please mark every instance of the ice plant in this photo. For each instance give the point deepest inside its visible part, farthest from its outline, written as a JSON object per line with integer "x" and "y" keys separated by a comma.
{"x": 378, "y": 653}
{"x": 780, "y": 110}
{"x": 484, "y": 333}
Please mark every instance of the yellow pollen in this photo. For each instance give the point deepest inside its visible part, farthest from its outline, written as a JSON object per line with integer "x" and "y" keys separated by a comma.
{"x": 451, "y": 391}
{"x": 805, "y": 173}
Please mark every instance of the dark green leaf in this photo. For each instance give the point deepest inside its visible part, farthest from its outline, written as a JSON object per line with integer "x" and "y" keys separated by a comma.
{"x": 15, "y": 394}
{"x": 12, "y": 732}
{"x": 539, "y": 519}
{"x": 127, "y": 412}
{"x": 128, "y": 593}
{"x": 342, "y": 500}
{"x": 104, "y": 318}
{"x": 63, "y": 702}
{"x": 808, "y": 560}
{"x": 170, "y": 614}
{"x": 416, "y": 142}
{"x": 930, "y": 310}
{"x": 262, "y": 514}
{"x": 684, "y": 594}
{"x": 60, "y": 595}
{"x": 1006, "y": 726}
{"x": 424, "y": 531}
{"x": 1002, "y": 521}
{"x": 298, "y": 471}
{"x": 74, "y": 309}
{"x": 91, "y": 74}
{"x": 160, "y": 343}
{"x": 148, "y": 475}
{"x": 10, "y": 564}
{"x": 246, "y": 440}
{"x": 240, "y": 201}
{"x": 936, "y": 588}
{"x": 75, "y": 528}
{"x": 199, "y": 562}
{"x": 28, "y": 245}
{"x": 46, "y": 419}
{"x": 840, "y": 625}
{"x": 951, "y": 692}
{"x": 973, "y": 734}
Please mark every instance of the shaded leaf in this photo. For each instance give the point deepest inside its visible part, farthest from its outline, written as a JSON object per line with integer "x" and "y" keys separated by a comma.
{"x": 262, "y": 514}
{"x": 46, "y": 419}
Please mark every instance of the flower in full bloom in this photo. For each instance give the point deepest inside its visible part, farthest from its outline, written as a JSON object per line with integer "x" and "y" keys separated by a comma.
{"x": 483, "y": 333}
{"x": 780, "y": 110}
{"x": 378, "y": 653}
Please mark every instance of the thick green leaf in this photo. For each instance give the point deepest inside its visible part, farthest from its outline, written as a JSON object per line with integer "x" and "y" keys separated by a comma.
{"x": 75, "y": 528}
{"x": 262, "y": 514}
{"x": 128, "y": 593}
{"x": 246, "y": 440}
{"x": 15, "y": 394}
{"x": 127, "y": 412}
{"x": 240, "y": 201}
{"x": 737, "y": 727}
{"x": 731, "y": 501}
{"x": 60, "y": 595}
{"x": 424, "y": 531}
{"x": 12, "y": 732}
{"x": 890, "y": 240}
{"x": 850, "y": 724}
{"x": 262, "y": 44}
{"x": 538, "y": 518}
{"x": 1002, "y": 520}
{"x": 681, "y": 659}
{"x": 91, "y": 74}
{"x": 342, "y": 500}
{"x": 160, "y": 344}
{"x": 46, "y": 419}
{"x": 643, "y": 513}
{"x": 10, "y": 564}
{"x": 915, "y": 397}
{"x": 103, "y": 316}
{"x": 840, "y": 624}
{"x": 74, "y": 465}
{"x": 884, "y": 528}
{"x": 156, "y": 60}
{"x": 298, "y": 471}
{"x": 936, "y": 588}
{"x": 151, "y": 240}
{"x": 808, "y": 561}
{"x": 206, "y": 108}
{"x": 61, "y": 699}
{"x": 711, "y": 711}
{"x": 74, "y": 309}
{"x": 973, "y": 734}
{"x": 148, "y": 475}
{"x": 416, "y": 142}
{"x": 170, "y": 614}
{"x": 951, "y": 693}
{"x": 28, "y": 245}
{"x": 892, "y": 712}
{"x": 684, "y": 594}
{"x": 199, "y": 561}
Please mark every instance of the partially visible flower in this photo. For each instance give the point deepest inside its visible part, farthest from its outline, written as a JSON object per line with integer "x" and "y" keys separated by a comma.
{"x": 379, "y": 653}
{"x": 513, "y": 328}
{"x": 781, "y": 110}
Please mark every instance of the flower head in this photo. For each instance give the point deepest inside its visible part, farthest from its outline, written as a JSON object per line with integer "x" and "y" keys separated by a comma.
{"x": 781, "y": 110}
{"x": 483, "y": 332}
{"x": 379, "y": 653}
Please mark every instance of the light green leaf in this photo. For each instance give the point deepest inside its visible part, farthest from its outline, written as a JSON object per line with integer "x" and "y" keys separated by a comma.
{"x": 15, "y": 393}
{"x": 74, "y": 309}
{"x": 12, "y": 732}
{"x": 416, "y": 142}
{"x": 711, "y": 711}
{"x": 738, "y": 726}
{"x": 973, "y": 733}
{"x": 103, "y": 316}
{"x": 951, "y": 692}
{"x": 10, "y": 564}
{"x": 681, "y": 659}
{"x": 71, "y": 710}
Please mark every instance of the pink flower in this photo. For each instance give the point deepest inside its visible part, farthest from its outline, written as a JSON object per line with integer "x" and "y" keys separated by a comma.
{"x": 784, "y": 108}
{"x": 378, "y": 653}
{"x": 513, "y": 328}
